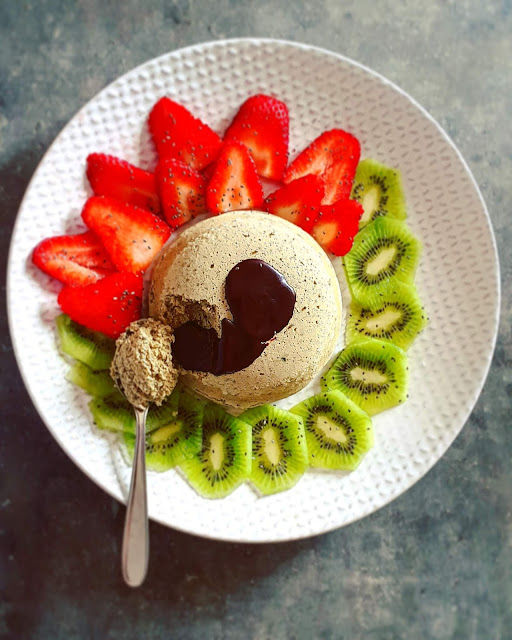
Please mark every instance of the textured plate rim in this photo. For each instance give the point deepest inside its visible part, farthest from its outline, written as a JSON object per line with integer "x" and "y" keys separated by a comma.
{"x": 385, "y": 81}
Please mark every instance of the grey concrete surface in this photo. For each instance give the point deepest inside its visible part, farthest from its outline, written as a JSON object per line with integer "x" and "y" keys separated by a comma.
{"x": 434, "y": 564}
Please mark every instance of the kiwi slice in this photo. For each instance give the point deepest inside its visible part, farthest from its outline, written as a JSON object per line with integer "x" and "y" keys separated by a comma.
{"x": 396, "y": 315}
{"x": 176, "y": 439}
{"x": 338, "y": 432}
{"x": 379, "y": 190}
{"x": 224, "y": 460}
{"x": 115, "y": 413}
{"x": 279, "y": 452}
{"x": 96, "y": 383}
{"x": 383, "y": 253}
{"x": 90, "y": 347}
{"x": 372, "y": 373}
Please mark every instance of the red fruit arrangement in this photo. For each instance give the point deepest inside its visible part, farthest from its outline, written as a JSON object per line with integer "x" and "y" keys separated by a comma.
{"x": 133, "y": 212}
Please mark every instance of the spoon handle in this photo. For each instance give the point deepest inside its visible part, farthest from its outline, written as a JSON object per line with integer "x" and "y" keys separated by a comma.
{"x": 135, "y": 552}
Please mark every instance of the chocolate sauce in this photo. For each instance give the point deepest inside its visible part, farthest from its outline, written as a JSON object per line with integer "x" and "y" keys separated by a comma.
{"x": 259, "y": 298}
{"x": 261, "y": 302}
{"x": 237, "y": 349}
{"x": 195, "y": 348}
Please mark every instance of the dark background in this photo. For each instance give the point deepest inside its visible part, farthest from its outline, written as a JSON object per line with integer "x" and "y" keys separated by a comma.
{"x": 437, "y": 562}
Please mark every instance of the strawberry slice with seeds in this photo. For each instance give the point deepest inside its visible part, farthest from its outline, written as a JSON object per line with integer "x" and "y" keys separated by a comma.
{"x": 234, "y": 184}
{"x": 109, "y": 305}
{"x": 75, "y": 260}
{"x": 337, "y": 226}
{"x": 262, "y": 124}
{"x": 177, "y": 134}
{"x": 131, "y": 236}
{"x": 111, "y": 176}
{"x": 334, "y": 157}
{"x": 298, "y": 202}
{"x": 182, "y": 191}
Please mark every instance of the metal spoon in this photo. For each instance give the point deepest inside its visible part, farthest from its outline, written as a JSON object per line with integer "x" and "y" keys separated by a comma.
{"x": 135, "y": 551}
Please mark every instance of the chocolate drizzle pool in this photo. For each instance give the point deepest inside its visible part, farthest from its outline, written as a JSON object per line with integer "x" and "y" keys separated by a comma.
{"x": 261, "y": 303}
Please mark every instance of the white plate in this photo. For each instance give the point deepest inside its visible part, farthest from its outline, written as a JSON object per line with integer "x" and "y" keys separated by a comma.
{"x": 457, "y": 279}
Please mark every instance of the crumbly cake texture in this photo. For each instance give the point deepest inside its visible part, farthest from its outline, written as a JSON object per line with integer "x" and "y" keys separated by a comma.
{"x": 142, "y": 367}
{"x": 188, "y": 283}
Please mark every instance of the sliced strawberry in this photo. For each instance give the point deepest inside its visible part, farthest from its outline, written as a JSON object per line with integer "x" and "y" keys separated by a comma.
{"x": 208, "y": 172}
{"x": 182, "y": 191}
{"x": 337, "y": 226}
{"x": 177, "y": 134}
{"x": 333, "y": 156}
{"x": 234, "y": 184}
{"x": 298, "y": 202}
{"x": 262, "y": 124}
{"x": 131, "y": 236}
{"x": 110, "y": 176}
{"x": 109, "y": 305}
{"x": 76, "y": 260}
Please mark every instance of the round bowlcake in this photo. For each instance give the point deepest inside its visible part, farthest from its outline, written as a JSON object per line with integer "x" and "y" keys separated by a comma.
{"x": 188, "y": 281}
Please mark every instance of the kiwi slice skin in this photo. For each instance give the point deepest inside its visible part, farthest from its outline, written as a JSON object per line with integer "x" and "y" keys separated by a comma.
{"x": 224, "y": 460}
{"x": 379, "y": 190}
{"x": 176, "y": 440}
{"x": 95, "y": 383}
{"x": 90, "y": 347}
{"x": 279, "y": 451}
{"x": 115, "y": 413}
{"x": 338, "y": 432}
{"x": 383, "y": 253}
{"x": 396, "y": 316}
{"x": 372, "y": 373}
